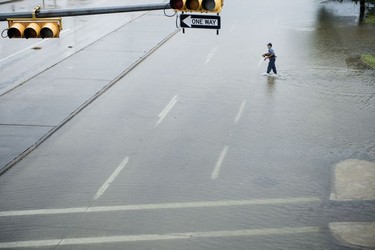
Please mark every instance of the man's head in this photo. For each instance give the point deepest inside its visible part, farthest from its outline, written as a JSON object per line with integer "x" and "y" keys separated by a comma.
{"x": 269, "y": 45}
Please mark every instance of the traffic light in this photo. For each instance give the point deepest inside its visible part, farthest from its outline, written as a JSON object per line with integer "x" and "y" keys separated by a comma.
{"x": 178, "y": 5}
{"x": 212, "y": 5}
{"x": 197, "y": 5}
{"x": 34, "y": 27}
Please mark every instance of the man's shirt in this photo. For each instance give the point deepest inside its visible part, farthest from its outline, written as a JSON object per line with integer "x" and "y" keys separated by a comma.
{"x": 272, "y": 52}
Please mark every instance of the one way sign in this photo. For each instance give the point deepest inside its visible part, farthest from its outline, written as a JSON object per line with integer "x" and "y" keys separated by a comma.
{"x": 200, "y": 21}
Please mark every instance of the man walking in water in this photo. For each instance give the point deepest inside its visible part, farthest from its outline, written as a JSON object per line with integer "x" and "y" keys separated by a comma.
{"x": 272, "y": 59}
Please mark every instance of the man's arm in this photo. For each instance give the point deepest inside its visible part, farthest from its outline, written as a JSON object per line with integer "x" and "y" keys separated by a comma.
{"x": 266, "y": 56}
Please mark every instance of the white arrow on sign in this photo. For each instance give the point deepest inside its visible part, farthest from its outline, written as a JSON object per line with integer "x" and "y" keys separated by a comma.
{"x": 189, "y": 21}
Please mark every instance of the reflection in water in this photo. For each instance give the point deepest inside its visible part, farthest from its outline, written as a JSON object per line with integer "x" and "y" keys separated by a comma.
{"x": 271, "y": 84}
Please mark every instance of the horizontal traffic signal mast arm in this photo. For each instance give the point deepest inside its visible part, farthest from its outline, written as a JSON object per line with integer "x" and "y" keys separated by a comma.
{"x": 85, "y": 11}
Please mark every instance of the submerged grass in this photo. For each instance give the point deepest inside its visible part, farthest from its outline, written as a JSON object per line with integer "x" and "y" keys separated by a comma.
{"x": 368, "y": 60}
{"x": 370, "y": 19}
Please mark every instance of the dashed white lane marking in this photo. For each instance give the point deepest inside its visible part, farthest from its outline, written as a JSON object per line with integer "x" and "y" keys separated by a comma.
{"x": 158, "y": 237}
{"x": 211, "y": 55}
{"x": 183, "y": 205}
{"x": 240, "y": 111}
{"x": 111, "y": 178}
{"x": 234, "y": 25}
{"x": 219, "y": 163}
{"x": 166, "y": 110}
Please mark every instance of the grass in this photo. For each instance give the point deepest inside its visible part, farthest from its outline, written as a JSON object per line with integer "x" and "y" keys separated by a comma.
{"x": 368, "y": 60}
{"x": 370, "y": 19}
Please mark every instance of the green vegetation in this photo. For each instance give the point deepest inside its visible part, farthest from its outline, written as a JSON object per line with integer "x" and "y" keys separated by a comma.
{"x": 370, "y": 19}
{"x": 368, "y": 60}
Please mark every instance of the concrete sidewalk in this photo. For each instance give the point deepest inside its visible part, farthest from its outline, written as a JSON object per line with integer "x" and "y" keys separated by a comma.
{"x": 354, "y": 180}
{"x": 32, "y": 112}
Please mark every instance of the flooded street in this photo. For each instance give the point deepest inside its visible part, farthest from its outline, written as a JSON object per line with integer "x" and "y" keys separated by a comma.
{"x": 149, "y": 138}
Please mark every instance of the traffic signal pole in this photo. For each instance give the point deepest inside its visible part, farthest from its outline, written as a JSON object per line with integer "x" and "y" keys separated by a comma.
{"x": 47, "y": 23}
{"x": 84, "y": 11}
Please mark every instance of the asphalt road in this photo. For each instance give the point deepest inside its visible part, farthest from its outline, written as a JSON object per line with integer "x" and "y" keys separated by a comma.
{"x": 193, "y": 148}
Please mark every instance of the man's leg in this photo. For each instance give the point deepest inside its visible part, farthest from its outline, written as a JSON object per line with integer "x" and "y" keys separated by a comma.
{"x": 270, "y": 66}
{"x": 274, "y": 68}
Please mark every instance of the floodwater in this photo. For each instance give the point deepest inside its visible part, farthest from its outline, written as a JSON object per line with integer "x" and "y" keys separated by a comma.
{"x": 321, "y": 110}
{"x": 318, "y": 46}
{"x": 275, "y": 140}
{"x": 343, "y": 85}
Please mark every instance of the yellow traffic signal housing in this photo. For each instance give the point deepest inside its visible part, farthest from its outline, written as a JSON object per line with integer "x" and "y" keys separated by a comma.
{"x": 34, "y": 27}
{"x": 213, "y": 6}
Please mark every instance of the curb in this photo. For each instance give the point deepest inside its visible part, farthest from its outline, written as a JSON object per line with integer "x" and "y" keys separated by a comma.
{"x": 353, "y": 180}
{"x": 354, "y": 234}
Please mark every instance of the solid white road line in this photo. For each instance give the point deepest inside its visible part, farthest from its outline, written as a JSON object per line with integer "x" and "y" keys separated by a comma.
{"x": 166, "y": 110}
{"x": 23, "y": 50}
{"x": 219, "y": 163}
{"x": 65, "y": 30}
{"x": 211, "y": 55}
{"x": 29, "y": 47}
{"x": 202, "y": 204}
{"x": 158, "y": 237}
{"x": 240, "y": 111}
{"x": 111, "y": 178}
